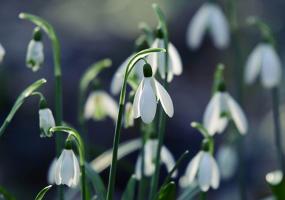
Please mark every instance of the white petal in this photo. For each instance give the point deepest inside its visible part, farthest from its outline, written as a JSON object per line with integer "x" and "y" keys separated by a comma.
{"x": 253, "y": 65}
{"x": 237, "y": 115}
{"x": 138, "y": 169}
{"x": 118, "y": 78}
{"x": 197, "y": 27}
{"x": 136, "y": 104}
{"x": 148, "y": 102}
{"x": 153, "y": 58}
{"x": 205, "y": 172}
{"x": 175, "y": 62}
{"x": 271, "y": 71}
{"x": 35, "y": 55}
{"x": 89, "y": 107}
{"x": 219, "y": 27}
{"x": 215, "y": 182}
{"x": 192, "y": 167}
{"x": 168, "y": 159}
{"x": 110, "y": 105}
{"x": 2, "y": 53}
{"x": 76, "y": 168}
{"x": 51, "y": 172}
{"x": 164, "y": 98}
{"x": 227, "y": 161}
{"x": 211, "y": 118}
{"x": 46, "y": 121}
{"x": 149, "y": 156}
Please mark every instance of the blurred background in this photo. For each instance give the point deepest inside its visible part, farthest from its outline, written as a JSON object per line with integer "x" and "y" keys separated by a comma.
{"x": 90, "y": 30}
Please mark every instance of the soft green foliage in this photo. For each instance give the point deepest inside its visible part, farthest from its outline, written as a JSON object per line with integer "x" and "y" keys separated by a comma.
{"x": 43, "y": 192}
{"x": 19, "y": 102}
{"x": 129, "y": 192}
{"x": 168, "y": 192}
{"x": 5, "y": 194}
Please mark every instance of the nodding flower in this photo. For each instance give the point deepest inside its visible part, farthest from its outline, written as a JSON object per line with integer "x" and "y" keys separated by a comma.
{"x": 208, "y": 18}
{"x": 35, "y": 51}
{"x": 2, "y": 53}
{"x": 149, "y": 92}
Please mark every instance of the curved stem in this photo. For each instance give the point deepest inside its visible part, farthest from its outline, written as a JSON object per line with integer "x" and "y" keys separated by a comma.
{"x": 81, "y": 151}
{"x": 131, "y": 64}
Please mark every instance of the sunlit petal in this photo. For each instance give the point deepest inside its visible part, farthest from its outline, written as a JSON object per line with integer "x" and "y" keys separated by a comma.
{"x": 205, "y": 172}
{"x": 136, "y": 104}
{"x": 168, "y": 159}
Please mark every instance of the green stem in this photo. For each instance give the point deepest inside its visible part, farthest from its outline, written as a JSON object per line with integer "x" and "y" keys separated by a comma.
{"x": 131, "y": 64}
{"x": 81, "y": 151}
{"x": 203, "y": 196}
{"x": 277, "y": 128}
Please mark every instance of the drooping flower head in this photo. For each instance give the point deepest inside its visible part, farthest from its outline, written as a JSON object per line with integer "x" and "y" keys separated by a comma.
{"x": 46, "y": 119}
{"x": 220, "y": 109}
{"x": 264, "y": 61}
{"x": 99, "y": 105}
{"x": 67, "y": 171}
{"x": 149, "y": 92}
{"x": 208, "y": 18}
{"x": 35, "y": 54}
{"x": 150, "y": 150}
{"x": 158, "y": 60}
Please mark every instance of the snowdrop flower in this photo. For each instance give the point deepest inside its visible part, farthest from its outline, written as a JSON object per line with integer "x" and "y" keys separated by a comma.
{"x": 208, "y": 18}
{"x": 35, "y": 53}
{"x": 227, "y": 160}
{"x": 129, "y": 115}
{"x": 150, "y": 149}
{"x": 67, "y": 171}
{"x": 99, "y": 105}
{"x": 220, "y": 108}
{"x": 46, "y": 122}
{"x": 51, "y": 172}
{"x": 2, "y": 53}
{"x": 263, "y": 60}
{"x": 157, "y": 60}
{"x": 149, "y": 92}
{"x": 204, "y": 169}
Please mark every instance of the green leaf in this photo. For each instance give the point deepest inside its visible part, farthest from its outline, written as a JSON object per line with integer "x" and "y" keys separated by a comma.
{"x": 5, "y": 194}
{"x": 104, "y": 160}
{"x": 43, "y": 192}
{"x": 96, "y": 181}
{"x": 167, "y": 192}
{"x": 189, "y": 193}
{"x": 129, "y": 192}
{"x": 20, "y": 100}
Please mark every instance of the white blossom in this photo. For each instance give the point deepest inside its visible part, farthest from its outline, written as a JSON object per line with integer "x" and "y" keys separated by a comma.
{"x": 150, "y": 150}
{"x": 129, "y": 115}
{"x": 265, "y": 61}
{"x": 208, "y": 18}
{"x": 204, "y": 170}
{"x": 149, "y": 92}
{"x": 67, "y": 171}
{"x": 35, "y": 55}
{"x": 220, "y": 108}
{"x": 157, "y": 60}
{"x": 227, "y": 160}
{"x": 2, "y": 53}
{"x": 46, "y": 122}
{"x": 99, "y": 105}
{"x": 51, "y": 172}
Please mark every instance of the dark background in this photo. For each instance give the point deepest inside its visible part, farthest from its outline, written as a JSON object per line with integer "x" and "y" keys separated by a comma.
{"x": 90, "y": 30}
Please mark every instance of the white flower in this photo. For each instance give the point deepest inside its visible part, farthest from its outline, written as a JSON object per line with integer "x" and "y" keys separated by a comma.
{"x": 51, "y": 172}
{"x": 67, "y": 171}
{"x": 227, "y": 160}
{"x": 35, "y": 55}
{"x": 157, "y": 60}
{"x": 263, "y": 60}
{"x": 129, "y": 115}
{"x": 274, "y": 178}
{"x": 221, "y": 107}
{"x": 208, "y": 18}
{"x": 2, "y": 53}
{"x": 149, "y": 92}
{"x": 99, "y": 105}
{"x": 46, "y": 122}
{"x": 150, "y": 150}
{"x": 118, "y": 78}
{"x": 204, "y": 169}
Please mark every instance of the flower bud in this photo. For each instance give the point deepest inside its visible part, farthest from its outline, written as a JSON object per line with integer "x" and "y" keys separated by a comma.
{"x": 46, "y": 122}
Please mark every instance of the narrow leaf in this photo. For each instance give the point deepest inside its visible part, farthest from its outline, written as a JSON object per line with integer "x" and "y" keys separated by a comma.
{"x": 104, "y": 160}
{"x": 129, "y": 192}
{"x": 20, "y": 100}
{"x": 43, "y": 192}
{"x": 96, "y": 181}
{"x": 167, "y": 192}
{"x": 189, "y": 193}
